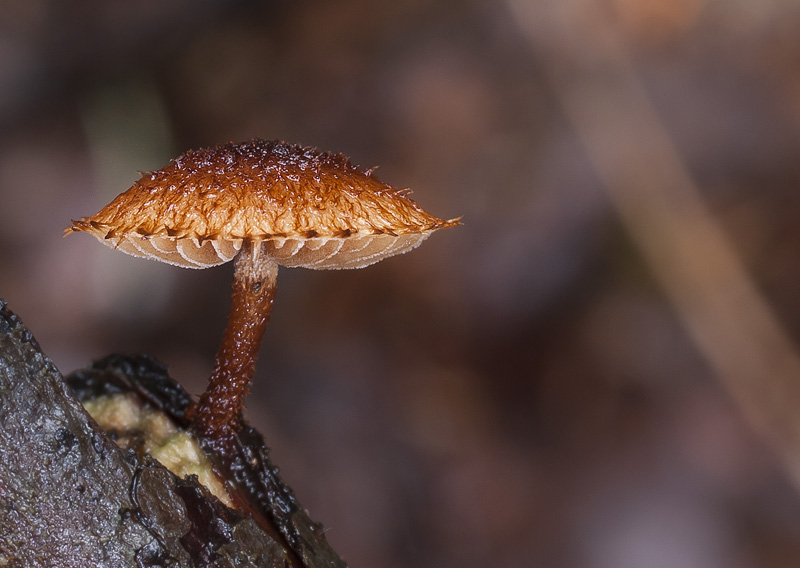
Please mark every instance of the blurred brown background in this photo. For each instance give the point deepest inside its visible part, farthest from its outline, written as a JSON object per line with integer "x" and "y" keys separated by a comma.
{"x": 520, "y": 391}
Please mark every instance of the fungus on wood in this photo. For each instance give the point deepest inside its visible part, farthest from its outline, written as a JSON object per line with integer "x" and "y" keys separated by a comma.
{"x": 262, "y": 204}
{"x": 75, "y": 492}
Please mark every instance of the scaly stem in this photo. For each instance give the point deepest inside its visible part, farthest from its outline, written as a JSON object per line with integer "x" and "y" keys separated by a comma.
{"x": 219, "y": 409}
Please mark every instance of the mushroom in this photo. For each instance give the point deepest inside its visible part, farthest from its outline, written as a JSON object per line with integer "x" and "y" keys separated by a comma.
{"x": 261, "y": 204}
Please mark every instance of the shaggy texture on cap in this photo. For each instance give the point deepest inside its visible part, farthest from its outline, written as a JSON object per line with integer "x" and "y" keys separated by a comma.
{"x": 310, "y": 208}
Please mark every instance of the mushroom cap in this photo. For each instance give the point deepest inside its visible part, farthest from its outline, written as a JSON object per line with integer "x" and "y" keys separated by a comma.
{"x": 309, "y": 208}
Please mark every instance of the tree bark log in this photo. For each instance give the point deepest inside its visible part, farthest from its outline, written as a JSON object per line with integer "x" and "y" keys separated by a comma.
{"x": 70, "y": 497}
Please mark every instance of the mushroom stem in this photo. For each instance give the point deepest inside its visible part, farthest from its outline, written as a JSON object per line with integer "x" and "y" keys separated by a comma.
{"x": 219, "y": 409}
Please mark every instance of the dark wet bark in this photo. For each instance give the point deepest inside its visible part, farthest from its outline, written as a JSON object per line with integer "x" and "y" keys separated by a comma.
{"x": 69, "y": 496}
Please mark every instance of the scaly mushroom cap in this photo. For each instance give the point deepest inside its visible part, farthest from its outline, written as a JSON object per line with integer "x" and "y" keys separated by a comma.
{"x": 310, "y": 208}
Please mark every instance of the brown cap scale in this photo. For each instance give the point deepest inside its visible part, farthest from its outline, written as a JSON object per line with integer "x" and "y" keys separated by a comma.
{"x": 262, "y": 204}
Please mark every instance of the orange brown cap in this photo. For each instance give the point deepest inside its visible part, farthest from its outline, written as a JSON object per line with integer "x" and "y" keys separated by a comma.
{"x": 309, "y": 208}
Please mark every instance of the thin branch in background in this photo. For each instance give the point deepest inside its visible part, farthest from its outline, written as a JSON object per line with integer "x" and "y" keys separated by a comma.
{"x": 663, "y": 210}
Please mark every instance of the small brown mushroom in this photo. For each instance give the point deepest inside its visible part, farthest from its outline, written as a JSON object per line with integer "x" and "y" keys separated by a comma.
{"x": 262, "y": 204}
